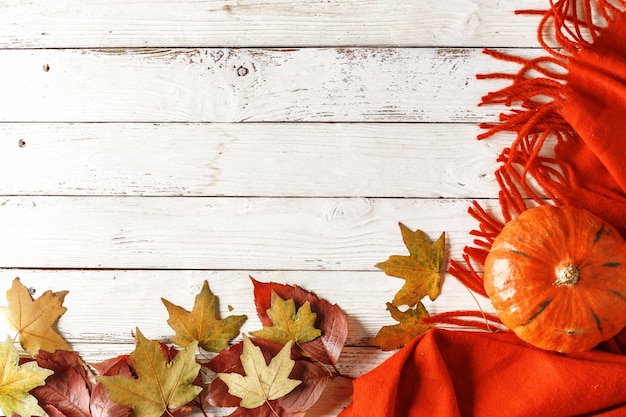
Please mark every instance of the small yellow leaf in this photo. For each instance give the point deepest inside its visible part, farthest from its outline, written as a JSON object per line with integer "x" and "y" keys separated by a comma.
{"x": 202, "y": 323}
{"x": 398, "y": 335}
{"x": 420, "y": 270}
{"x": 16, "y": 381}
{"x": 289, "y": 325}
{"x": 34, "y": 320}
{"x": 262, "y": 382}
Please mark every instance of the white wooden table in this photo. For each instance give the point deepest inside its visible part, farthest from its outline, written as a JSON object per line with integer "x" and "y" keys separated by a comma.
{"x": 147, "y": 146}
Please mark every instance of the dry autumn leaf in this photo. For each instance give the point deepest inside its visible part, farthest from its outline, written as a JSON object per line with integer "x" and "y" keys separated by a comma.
{"x": 262, "y": 382}
{"x": 420, "y": 270}
{"x": 410, "y": 326}
{"x": 34, "y": 320}
{"x": 314, "y": 380}
{"x": 202, "y": 323}
{"x": 332, "y": 322}
{"x": 289, "y": 324}
{"x": 17, "y": 380}
{"x": 160, "y": 386}
{"x": 71, "y": 391}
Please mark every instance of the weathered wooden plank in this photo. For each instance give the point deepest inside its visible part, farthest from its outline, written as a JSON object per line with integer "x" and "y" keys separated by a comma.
{"x": 231, "y": 85}
{"x": 248, "y": 159}
{"x": 150, "y": 23}
{"x": 219, "y": 233}
{"x": 104, "y": 307}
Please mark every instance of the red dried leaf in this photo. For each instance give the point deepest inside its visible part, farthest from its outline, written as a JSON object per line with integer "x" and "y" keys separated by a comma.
{"x": 314, "y": 379}
{"x": 67, "y": 391}
{"x": 101, "y": 405}
{"x": 51, "y": 411}
{"x": 331, "y": 320}
{"x": 120, "y": 365}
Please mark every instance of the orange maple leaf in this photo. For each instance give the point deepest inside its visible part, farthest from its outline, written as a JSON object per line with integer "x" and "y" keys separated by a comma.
{"x": 398, "y": 335}
{"x": 34, "y": 319}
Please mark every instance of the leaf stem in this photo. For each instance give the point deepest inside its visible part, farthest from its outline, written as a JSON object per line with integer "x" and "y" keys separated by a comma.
{"x": 199, "y": 405}
{"x": 335, "y": 372}
{"x": 271, "y": 408}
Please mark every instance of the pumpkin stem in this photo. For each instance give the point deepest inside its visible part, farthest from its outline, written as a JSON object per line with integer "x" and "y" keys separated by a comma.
{"x": 567, "y": 275}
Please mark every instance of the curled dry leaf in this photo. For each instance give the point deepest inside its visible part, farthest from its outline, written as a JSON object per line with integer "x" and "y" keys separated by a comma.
{"x": 34, "y": 319}
{"x": 410, "y": 326}
{"x": 331, "y": 320}
{"x": 202, "y": 323}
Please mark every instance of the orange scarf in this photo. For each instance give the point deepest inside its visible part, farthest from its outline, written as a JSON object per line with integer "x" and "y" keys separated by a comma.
{"x": 458, "y": 373}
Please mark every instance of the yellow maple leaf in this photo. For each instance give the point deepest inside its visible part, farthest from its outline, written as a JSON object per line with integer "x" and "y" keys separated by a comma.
{"x": 420, "y": 270}
{"x": 289, "y": 325}
{"x": 160, "y": 386}
{"x": 262, "y": 382}
{"x": 34, "y": 320}
{"x": 202, "y": 323}
{"x": 17, "y": 380}
{"x": 398, "y": 335}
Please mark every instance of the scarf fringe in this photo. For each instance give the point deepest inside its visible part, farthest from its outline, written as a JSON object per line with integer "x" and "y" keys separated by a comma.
{"x": 465, "y": 318}
{"x": 538, "y": 90}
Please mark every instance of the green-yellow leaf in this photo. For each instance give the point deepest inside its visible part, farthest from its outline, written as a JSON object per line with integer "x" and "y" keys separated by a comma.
{"x": 34, "y": 320}
{"x": 160, "y": 386}
{"x": 262, "y": 382}
{"x": 420, "y": 270}
{"x": 17, "y": 380}
{"x": 289, "y": 325}
{"x": 398, "y": 335}
{"x": 202, "y": 323}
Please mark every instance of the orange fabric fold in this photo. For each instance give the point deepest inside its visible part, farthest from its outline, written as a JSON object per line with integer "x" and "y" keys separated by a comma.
{"x": 458, "y": 373}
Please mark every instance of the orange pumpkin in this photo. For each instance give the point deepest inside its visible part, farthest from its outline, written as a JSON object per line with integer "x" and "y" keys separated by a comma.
{"x": 557, "y": 277}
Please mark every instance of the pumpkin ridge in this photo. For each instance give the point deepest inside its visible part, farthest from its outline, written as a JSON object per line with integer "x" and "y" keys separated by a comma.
{"x": 542, "y": 307}
{"x": 601, "y": 232}
{"x": 619, "y": 294}
{"x": 598, "y": 321}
